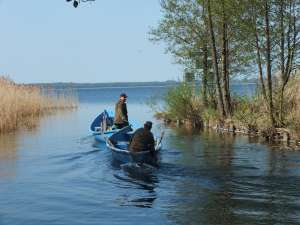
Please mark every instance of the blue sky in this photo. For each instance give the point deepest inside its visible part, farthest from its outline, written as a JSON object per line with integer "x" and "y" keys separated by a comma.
{"x": 102, "y": 41}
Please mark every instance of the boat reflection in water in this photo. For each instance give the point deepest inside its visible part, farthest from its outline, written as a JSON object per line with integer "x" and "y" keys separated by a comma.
{"x": 140, "y": 177}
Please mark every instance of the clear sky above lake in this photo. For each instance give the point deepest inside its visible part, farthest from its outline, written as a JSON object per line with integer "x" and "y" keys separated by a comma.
{"x": 102, "y": 41}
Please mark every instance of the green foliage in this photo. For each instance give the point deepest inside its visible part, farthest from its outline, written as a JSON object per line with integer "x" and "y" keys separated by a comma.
{"x": 184, "y": 29}
{"x": 177, "y": 100}
{"x": 181, "y": 28}
{"x": 183, "y": 104}
{"x": 210, "y": 114}
{"x": 248, "y": 112}
{"x": 189, "y": 77}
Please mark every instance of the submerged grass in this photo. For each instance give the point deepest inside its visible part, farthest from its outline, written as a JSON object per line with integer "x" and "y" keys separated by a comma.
{"x": 21, "y": 104}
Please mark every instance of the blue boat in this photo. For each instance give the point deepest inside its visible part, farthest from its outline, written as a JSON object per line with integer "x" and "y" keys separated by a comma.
{"x": 102, "y": 126}
{"x": 118, "y": 144}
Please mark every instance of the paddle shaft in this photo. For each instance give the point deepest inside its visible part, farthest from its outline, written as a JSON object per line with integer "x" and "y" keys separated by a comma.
{"x": 161, "y": 138}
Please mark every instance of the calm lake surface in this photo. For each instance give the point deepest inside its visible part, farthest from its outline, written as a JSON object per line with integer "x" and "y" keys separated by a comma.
{"x": 56, "y": 174}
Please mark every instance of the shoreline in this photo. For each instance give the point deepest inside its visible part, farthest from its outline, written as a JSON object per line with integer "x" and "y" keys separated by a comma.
{"x": 282, "y": 136}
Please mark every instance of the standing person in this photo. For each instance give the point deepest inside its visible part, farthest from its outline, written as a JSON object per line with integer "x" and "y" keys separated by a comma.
{"x": 121, "y": 114}
{"x": 142, "y": 139}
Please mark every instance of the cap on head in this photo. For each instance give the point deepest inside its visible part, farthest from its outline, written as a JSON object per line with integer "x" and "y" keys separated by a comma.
{"x": 148, "y": 125}
{"x": 123, "y": 95}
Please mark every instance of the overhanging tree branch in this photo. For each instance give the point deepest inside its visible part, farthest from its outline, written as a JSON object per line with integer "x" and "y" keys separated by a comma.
{"x": 76, "y": 2}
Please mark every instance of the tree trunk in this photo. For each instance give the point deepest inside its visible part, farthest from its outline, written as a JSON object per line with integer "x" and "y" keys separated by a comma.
{"x": 206, "y": 88}
{"x": 258, "y": 53}
{"x": 205, "y": 74}
{"x": 281, "y": 119}
{"x": 260, "y": 71}
{"x": 215, "y": 61}
{"x": 286, "y": 67}
{"x": 282, "y": 67}
{"x": 226, "y": 91}
{"x": 269, "y": 64}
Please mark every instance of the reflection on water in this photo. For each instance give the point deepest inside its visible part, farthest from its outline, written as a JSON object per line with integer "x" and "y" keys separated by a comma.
{"x": 57, "y": 174}
{"x": 142, "y": 200}
{"x": 141, "y": 177}
{"x": 8, "y": 146}
{"x": 8, "y": 155}
{"x": 232, "y": 183}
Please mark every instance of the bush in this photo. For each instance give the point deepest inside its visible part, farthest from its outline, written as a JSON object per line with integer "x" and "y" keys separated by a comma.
{"x": 248, "y": 112}
{"x": 183, "y": 104}
{"x": 210, "y": 115}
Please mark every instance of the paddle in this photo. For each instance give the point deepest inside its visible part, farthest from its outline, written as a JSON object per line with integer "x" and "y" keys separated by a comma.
{"x": 108, "y": 141}
{"x": 161, "y": 138}
{"x": 154, "y": 155}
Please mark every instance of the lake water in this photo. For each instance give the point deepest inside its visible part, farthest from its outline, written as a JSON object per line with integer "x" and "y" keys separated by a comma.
{"x": 54, "y": 173}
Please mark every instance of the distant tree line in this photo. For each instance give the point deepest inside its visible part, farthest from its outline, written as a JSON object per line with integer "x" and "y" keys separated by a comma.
{"x": 220, "y": 39}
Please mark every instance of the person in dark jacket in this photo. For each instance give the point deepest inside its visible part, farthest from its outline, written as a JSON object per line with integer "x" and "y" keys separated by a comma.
{"x": 143, "y": 139}
{"x": 121, "y": 114}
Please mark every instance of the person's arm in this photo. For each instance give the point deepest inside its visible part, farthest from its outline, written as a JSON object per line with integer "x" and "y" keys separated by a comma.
{"x": 124, "y": 112}
{"x": 117, "y": 117}
{"x": 152, "y": 143}
{"x": 131, "y": 138}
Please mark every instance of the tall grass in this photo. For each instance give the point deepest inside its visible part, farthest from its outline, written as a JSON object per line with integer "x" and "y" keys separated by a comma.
{"x": 253, "y": 112}
{"x": 292, "y": 104}
{"x": 21, "y": 103}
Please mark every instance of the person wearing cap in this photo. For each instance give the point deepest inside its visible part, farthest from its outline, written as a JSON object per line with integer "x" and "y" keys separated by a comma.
{"x": 121, "y": 114}
{"x": 143, "y": 139}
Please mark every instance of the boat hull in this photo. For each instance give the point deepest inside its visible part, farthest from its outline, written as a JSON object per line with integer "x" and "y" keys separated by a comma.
{"x": 101, "y": 137}
{"x": 125, "y": 156}
{"x": 118, "y": 144}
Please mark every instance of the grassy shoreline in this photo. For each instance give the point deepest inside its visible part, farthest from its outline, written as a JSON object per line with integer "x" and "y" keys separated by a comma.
{"x": 184, "y": 106}
{"x": 21, "y": 104}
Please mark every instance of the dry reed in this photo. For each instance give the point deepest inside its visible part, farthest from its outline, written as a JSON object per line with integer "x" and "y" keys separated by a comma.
{"x": 292, "y": 103}
{"x": 21, "y": 103}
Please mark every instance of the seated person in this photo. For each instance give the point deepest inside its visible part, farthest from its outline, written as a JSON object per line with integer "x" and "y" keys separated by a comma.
{"x": 142, "y": 139}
